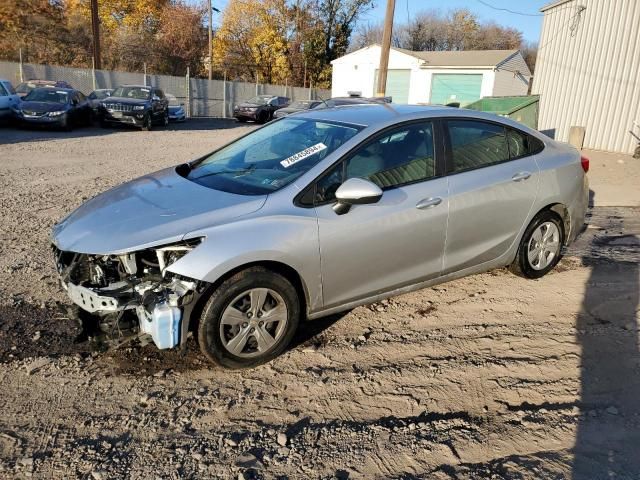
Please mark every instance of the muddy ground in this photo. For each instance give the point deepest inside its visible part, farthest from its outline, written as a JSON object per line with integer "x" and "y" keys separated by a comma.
{"x": 491, "y": 376}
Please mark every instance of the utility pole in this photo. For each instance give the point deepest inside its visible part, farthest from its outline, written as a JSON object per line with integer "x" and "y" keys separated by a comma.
{"x": 210, "y": 40}
{"x": 95, "y": 29}
{"x": 386, "y": 47}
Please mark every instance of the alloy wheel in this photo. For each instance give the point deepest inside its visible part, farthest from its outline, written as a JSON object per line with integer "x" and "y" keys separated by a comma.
{"x": 253, "y": 322}
{"x": 544, "y": 246}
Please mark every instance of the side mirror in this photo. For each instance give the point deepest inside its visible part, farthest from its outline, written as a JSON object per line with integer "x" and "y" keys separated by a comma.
{"x": 356, "y": 191}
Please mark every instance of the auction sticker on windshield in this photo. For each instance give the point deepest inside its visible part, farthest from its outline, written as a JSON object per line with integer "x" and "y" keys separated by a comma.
{"x": 306, "y": 153}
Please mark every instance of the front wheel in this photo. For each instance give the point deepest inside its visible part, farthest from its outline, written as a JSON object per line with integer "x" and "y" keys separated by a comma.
{"x": 541, "y": 246}
{"x": 249, "y": 319}
{"x": 147, "y": 125}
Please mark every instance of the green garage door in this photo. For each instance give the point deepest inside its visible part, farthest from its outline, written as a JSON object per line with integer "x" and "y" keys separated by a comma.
{"x": 455, "y": 87}
{"x": 397, "y": 85}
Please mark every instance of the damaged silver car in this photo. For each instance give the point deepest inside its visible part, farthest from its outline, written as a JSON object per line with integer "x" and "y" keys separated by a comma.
{"x": 315, "y": 214}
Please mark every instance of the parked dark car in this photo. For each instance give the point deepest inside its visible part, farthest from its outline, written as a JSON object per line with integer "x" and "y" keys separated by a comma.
{"x": 56, "y": 107}
{"x": 340, "y": 101}
{"x": 137, "y": 105}
{"x": 298, "y": 106}
{"x": 24, "y": 88}
{"x": 97, "y": 96}
{"x": 176, "y": 109}
{"x": 259, "y": 108}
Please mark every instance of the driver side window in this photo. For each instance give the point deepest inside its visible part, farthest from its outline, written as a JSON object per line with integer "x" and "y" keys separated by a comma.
{"x": 404, "y": 155}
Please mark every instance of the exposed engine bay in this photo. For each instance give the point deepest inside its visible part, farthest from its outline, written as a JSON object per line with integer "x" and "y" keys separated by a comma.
{"x": 132, "y": 293}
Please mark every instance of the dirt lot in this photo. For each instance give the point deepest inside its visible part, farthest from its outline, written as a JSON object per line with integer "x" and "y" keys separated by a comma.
{"x": 491, "y": 376}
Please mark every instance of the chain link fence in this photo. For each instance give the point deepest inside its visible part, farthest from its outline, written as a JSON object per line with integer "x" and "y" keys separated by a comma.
{"x": 201, "y": 97}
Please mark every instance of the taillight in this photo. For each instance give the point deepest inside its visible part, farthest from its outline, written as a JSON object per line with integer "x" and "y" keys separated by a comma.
{"x": 584, "y": 161}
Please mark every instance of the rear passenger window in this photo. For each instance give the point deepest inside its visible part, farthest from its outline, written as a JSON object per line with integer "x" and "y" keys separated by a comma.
{"x": 535, "y": 145}
{"x": 518, "y": 143}
{"x": 476, "y": 144}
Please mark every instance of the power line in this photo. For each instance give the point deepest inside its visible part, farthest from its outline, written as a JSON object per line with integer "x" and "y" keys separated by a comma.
{"x": 510, "y": 11}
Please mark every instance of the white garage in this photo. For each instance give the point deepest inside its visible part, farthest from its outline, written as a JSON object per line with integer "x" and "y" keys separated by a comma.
{"x": 433, "y": 77}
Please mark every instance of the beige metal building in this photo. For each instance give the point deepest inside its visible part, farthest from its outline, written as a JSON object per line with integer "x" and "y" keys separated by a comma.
{"x": 588, "y": 71}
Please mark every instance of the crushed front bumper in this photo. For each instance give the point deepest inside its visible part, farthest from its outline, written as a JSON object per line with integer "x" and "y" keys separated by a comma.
{"x": 120, "y": 288}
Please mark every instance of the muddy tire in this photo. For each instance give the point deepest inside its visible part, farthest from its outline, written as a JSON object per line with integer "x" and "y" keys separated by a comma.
{"x": 540, "y": 249}
{"x": 249, "y": 319}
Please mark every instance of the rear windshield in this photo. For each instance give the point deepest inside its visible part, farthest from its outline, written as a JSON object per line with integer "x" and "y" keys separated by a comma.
{"x": 47, "y": 95}
{"x": 271, "y": 157}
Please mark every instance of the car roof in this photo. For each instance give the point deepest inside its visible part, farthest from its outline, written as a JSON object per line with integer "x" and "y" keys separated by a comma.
{"x": 56, "y": 89}
{"x": 372, "y": 114}
{"x": 368, "y": 114}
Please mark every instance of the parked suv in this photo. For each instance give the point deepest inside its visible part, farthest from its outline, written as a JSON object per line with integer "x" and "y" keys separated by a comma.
{"x": 259, "y": 108}
{"x": 137, "y": 105}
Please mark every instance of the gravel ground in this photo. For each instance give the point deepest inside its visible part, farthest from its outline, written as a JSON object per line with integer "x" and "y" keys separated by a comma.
{"x": 491, "y": 376}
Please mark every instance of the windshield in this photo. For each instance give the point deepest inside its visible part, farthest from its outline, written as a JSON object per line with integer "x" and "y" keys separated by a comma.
{"x": 259, "y": 100}
{"x": 270, "y": 158}
{"x": 138, "y": 93}
{"x": 173, "y": 101}
{"x": 47, "y": 95}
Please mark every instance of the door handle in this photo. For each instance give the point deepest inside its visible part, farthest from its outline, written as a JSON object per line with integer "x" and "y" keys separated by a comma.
{"x": 518, "y": 177}
{"x": 428, "y": 203}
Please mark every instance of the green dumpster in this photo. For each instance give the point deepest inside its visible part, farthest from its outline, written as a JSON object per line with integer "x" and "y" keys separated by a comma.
{"x": 523, "y": 109}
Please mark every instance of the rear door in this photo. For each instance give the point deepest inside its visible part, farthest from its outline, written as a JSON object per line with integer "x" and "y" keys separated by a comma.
{"x": 6, "y": 101}
{"x": 493, "y": 183}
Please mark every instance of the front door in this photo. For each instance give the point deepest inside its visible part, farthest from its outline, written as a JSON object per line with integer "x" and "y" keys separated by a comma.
{"x": 398, "y": 241}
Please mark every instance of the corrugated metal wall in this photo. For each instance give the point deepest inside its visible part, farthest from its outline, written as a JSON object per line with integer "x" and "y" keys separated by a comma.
{"x": 588, "y": 72}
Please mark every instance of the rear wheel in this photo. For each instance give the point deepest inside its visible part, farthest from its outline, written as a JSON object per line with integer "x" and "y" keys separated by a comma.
{"x": 249, "y": 319}
{"x": 541, "y": 246}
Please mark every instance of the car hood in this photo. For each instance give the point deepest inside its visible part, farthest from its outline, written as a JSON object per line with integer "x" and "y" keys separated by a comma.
{"x": 152, "y": 210}
{"x": 42, "y": 107}
{"x": 125, "y": 101}
{"x": 175, "y": 108}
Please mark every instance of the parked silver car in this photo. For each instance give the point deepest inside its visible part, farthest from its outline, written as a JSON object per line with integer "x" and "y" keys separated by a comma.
{"x": 315, "y": 214}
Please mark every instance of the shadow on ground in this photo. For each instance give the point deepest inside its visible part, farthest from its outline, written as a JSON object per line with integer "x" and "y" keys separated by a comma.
{"x": 607, "y": 445}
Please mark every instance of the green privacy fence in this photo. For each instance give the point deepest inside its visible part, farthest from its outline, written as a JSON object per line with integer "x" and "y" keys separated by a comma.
{"x": 523, "y": 109}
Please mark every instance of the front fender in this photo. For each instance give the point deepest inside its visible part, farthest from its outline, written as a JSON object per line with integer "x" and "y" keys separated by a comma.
{"x": 288, "y": 239}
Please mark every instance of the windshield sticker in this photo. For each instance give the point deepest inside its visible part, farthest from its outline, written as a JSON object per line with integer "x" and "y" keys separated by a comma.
{"x": 306, "y": 153}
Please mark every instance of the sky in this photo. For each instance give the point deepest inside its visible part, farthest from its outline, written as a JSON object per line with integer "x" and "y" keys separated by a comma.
{"x": 529, "y": 24}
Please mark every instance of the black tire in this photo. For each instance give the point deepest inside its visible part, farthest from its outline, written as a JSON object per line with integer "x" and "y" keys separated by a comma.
{"x": 65, "y": 123}
{"x": 522, "y": 265}
{"x": 241, "y": 119}
{"x": 209, "y": 332}
{"x": 104, "y": 124}
{"x": 147, "y": 125}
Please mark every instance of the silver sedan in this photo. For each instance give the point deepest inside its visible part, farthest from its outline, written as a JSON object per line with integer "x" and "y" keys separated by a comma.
{"x": 315, "y": 214}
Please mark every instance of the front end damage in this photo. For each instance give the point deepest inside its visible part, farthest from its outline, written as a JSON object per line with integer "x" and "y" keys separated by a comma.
{"x": 132, "y": 294}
